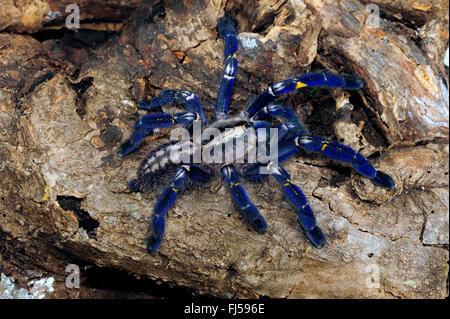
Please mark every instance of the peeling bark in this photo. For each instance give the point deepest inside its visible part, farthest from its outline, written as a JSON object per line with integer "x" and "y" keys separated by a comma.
{"x": 64, "y": 112}
{"x": 36, "y": 15}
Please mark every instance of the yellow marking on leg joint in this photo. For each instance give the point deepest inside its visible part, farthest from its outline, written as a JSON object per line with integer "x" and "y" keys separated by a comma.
{"x": 300, "y": 85}
{"x": 231, "y": 56}
{"x": 288, "y": 183}
{"x": 324, "y": 146}
{"x": 175, "y": 190}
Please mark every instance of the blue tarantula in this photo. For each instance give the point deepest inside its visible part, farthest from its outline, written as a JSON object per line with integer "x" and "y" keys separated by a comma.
{"x": 259, "y": 114}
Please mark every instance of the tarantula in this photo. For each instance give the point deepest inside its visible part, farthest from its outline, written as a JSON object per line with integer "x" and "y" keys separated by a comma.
{"x": 259, "y": 116}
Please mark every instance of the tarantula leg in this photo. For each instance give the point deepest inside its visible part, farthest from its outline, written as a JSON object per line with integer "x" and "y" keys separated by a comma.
{"x": 148, "y": 123}
{"x": 253, "y": 174}
{"x": 164, "y": 202}
{"x": 345, "y": 154}
{"x": 276, "y": 110}
{"x": 295, "y": 195}
{"x": 188, "y": 99}
{"x": 248, "y": 211}
{"x": 286, "y": 149}
{"x": 199, "y": 175}
{"x": 268, "y": 96}
{"x": 292, "y": 127}
{"x": 348, "y": 82}
{"x": 261, "y": 124}
{"x": 227, "y": 32}
{"x": 312, "y": 79}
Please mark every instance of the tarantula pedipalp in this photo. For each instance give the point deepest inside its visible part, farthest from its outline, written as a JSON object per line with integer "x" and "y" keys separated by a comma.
{"x": 257, "y": 118}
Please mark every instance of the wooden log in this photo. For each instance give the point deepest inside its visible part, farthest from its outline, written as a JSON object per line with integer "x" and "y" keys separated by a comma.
{"x": 63, "y": 196}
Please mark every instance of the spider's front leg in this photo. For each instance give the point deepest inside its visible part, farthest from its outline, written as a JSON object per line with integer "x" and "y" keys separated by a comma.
{"x": 186, "y": 98}
{"x": 248, "y": 211}
{"x": 148, "y": 123}
{"x": 307, "y": 80}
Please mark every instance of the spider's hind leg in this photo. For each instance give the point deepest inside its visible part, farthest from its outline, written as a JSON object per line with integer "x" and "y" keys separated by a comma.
{"x": 199, "y": 175}
{"x": 164, "y": 202}
{"x": 194, "y": 173}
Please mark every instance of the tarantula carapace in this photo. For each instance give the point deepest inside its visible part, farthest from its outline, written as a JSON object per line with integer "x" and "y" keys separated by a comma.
{"x": 258, "y": 118}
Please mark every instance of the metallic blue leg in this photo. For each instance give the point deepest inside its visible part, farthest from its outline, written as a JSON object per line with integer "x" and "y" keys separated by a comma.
{"x": 248, "y": 211}
{"x": 164, "y": 202}
{"x": 345, "y": 154}
{"x": 295, "y": 195}
{"x": 227, "y": 32}
{"x": 198, "y": 175}
{"x": 186, "y": 98}
{"x": 330, "y": 80}
{"x": 276, "y": 110}
{"x": 148, "y": 123}
{"x": 313, "y": 79}
{"x": 292, "y": 127}
{"x": 286, "y": 149}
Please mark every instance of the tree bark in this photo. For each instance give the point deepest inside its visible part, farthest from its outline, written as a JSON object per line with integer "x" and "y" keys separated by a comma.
{"x": 67, "y": 103}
